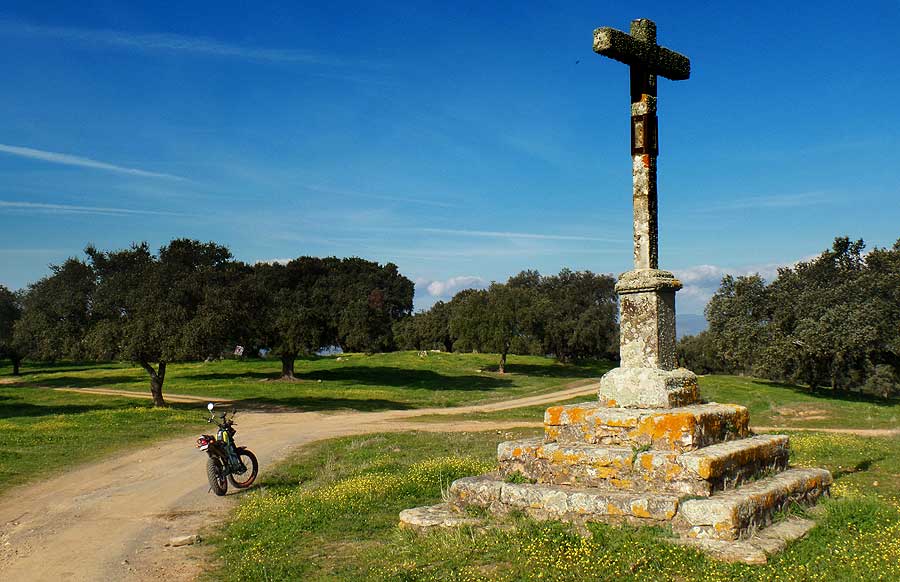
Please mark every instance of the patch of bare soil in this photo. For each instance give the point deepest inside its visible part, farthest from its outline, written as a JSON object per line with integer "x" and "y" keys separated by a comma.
{"x": 802, "y": 412}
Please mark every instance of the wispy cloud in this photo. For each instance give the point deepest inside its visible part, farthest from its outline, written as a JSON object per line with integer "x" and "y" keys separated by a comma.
{"x": 70, "y": 160}
{"x": 797, "y": 200}
{"x": 403, "y": 199}
{"x": 73, "y": 209}
{"x": 166, "y": 42}
{"x": 515, "y": 235}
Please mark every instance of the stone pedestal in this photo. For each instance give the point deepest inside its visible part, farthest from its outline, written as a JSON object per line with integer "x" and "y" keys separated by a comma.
{"x": 696, "y": 468}
{"x": 647, "y": 326}
{"x": 646, "y": 377}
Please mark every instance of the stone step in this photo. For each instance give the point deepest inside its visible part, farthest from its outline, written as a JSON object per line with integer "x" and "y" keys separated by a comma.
{"x": 727, "y": 465}
{"x": 757, "y": 548}
{"x": 699, "y": 472}
{"x": 561, "y": 501}
{"x": 435, "y": 516}
{"x": 737, "y": 513}
{"x": 677, "y": 429}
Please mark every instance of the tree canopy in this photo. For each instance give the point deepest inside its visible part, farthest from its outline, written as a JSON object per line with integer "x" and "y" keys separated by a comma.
{"x": 833, "y": 321}
{"x": 571, "y": 315}
{"x": 10, "y": 312}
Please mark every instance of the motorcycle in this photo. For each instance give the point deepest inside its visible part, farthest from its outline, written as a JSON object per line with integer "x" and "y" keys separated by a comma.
{"x": 227, "y": 462}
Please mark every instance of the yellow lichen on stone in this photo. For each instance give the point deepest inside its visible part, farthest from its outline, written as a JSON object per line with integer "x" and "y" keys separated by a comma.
{"x": 672, "y": 472}
{"x": 553, "y": 414}
{"x": 705, "y": 469}
{"x": 670, "y": 427}
{"x": 606, "y": 472}
{"x": 639, "y": 509}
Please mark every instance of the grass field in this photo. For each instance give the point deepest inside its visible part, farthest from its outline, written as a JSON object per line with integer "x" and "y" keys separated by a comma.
{"x": 330, "y": 513}
{"x": 45, "y": 431}
{"x": 770, "y": 404}
{"x": 353, "y": 381}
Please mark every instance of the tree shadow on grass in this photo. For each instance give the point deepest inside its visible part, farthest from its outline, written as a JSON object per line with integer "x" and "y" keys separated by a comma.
{"x": 555, "y": 371}
{"x": 405, "y": 378}
{"x": 317, "y": 404}
{"x": 377, "y": 376}
{"x": 861, "y": 466}
{"x": 56, "y": 368}
{"x": 829, "y": 394}
{"x": 234, "y": 375}
{"x": 11, "y": 407}
{"x": 65, "y": 381}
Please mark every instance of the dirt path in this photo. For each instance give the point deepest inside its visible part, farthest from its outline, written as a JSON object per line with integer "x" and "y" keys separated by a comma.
{"x": 111, "y": 520}
{"x": 872, "y": 432}
{"x": 180, "y": 398}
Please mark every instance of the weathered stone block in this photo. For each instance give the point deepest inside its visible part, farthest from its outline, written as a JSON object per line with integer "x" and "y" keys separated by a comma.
{"x": 648, "y": 388}
{"x": 679, "y": 429}
{"x": 701, "y": 472}
{"x": 730, "y": 463}
{"x": 647, "y": 327}
{"x": 732, "y": 514}
{"x": 434, "y": 516}
{"x": 563, "y": 502}
{"x": 482, "y": 490}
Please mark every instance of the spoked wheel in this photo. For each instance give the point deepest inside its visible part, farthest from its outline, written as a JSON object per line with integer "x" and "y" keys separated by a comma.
{"x": 246, "y": 478}
{"x": 215, "y": 471}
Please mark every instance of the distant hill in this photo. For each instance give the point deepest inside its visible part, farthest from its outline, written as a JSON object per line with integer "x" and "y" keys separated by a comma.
{"x": 689, "y": 324}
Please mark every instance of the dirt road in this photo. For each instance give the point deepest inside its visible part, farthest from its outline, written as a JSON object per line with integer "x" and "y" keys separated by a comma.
{"x": 111, "y": 520}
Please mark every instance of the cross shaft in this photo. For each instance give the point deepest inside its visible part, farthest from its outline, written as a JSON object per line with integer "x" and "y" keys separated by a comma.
{"x": 646, "y": 60}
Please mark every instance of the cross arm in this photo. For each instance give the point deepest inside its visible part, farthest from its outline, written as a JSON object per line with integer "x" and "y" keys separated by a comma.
{"x": 658, "y": 60}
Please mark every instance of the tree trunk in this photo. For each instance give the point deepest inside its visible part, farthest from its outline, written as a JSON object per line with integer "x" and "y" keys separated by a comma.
{"x": 503, "y": 362}
{"x": 157, "y": 378}
{"x": 287, "y": 366}
{"x": 15, "y": 362}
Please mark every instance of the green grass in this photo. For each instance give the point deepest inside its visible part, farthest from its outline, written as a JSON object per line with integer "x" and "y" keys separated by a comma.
{"x": 770, "y": 404}
{"x": 330, "y": 513}
{"x": 355, "y": 381}
{"x": 774, "y": 404}
{"x": 43, "y": 431}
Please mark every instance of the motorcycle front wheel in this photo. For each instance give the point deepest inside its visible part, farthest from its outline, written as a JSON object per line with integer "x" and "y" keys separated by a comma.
{"x": 246, "y": 478}
{"x": 215, "y": 471}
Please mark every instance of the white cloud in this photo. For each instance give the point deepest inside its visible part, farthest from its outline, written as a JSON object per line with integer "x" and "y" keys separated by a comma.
{"x": 72, "y": 209}
{"x": 70, "y": 160}
{"x": 702, "y": 281}
{"x": 166, "y": 42}
{"x": 451, "y": 286}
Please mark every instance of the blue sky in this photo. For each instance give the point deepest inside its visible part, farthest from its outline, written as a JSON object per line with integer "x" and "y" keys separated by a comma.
{"x": 464, "y": 142}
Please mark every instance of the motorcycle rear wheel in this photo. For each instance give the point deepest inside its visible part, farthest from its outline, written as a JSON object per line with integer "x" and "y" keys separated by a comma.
{"x": 215, "y": 472}
{"x": 247, "y": 478}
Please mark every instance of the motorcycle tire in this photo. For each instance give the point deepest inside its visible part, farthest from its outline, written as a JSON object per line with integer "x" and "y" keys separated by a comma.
{"x": 215, "y": 472}
{"x": 249, "y": 476}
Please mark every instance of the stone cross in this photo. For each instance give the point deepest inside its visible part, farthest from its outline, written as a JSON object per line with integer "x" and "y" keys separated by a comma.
{"x": 646, "y": 376}
{"x": 646, "y": 60}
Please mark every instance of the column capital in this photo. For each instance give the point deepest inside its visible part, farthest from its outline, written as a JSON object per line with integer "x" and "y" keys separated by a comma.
{"x": 644, "y": 280}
